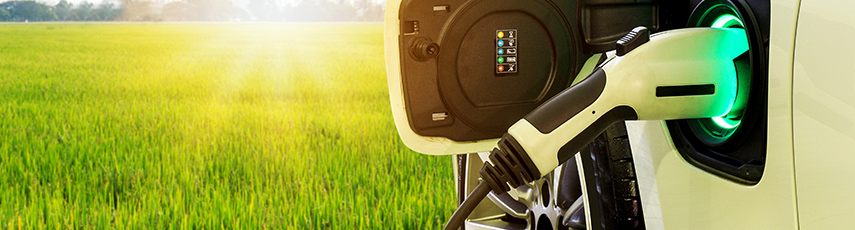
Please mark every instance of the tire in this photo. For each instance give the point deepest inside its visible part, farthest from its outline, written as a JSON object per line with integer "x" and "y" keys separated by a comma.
{"x": 609, "y": 160}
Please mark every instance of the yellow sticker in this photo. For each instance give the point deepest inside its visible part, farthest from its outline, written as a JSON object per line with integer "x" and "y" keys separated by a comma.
{"x": 501, "y": 34}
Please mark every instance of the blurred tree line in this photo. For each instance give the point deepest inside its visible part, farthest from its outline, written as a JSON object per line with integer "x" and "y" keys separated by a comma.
{"x": 194, "y": 10}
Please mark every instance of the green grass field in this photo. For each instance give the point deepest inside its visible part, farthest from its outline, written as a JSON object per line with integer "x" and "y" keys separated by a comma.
{"x": 207, "y": 126}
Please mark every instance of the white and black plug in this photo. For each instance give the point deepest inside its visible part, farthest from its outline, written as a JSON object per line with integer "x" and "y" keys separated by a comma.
{"x": 677, "y": 74}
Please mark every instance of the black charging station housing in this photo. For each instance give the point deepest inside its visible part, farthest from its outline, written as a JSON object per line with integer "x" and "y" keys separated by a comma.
{"x": 459, "y": 92}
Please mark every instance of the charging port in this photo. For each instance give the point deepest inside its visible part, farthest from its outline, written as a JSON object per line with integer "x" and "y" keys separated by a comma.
{"x": 732, "y": 146}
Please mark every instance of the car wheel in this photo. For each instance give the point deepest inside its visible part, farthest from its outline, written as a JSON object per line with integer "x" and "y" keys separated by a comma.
{"x": 557, "y": 201}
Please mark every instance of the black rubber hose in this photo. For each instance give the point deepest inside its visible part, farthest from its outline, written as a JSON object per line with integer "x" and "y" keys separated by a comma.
{"x": 467, "y": 206}
{"x": 508, "y": 165}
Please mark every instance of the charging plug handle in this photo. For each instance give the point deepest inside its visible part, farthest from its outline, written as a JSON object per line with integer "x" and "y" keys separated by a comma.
{"x": 695, "y": 65}
{"x": 636, "y": 37}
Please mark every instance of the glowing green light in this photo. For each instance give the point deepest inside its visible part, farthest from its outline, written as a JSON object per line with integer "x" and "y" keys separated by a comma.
{"x": 726, "y": 21}
{"x": 725, "y": 122}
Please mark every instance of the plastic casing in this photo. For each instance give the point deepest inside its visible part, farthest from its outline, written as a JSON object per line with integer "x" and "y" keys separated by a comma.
{"x": 421, "y": 144}
{"x": 677, "y": 195}
{"x": 631, "y": 81}
{"x": 473, "y": 113}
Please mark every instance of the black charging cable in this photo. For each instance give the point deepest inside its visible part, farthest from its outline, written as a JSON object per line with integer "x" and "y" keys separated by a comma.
{"x": 508, "y": 165}
{"x": 467, "y": 206}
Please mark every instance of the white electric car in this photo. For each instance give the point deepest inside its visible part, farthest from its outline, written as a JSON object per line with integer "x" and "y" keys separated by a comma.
{"x": 461, "y": 72}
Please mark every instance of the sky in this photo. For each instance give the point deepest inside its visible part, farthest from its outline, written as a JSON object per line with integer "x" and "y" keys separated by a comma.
{"x": 238, "y": 3}
{"x": 241, "y": 3}
{"x": 96, "y": 2}
{"x": 75, "y": 2}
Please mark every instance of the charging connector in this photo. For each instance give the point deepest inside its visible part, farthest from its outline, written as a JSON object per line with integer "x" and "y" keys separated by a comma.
{"x": 678, "y": 74}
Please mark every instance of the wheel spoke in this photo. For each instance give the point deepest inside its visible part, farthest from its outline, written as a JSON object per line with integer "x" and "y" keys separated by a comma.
{"x": 577, "y": 206}
{"x": 534, "y": 205}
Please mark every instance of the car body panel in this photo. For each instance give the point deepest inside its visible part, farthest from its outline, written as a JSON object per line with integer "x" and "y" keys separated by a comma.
{"x": 824, "y": 113}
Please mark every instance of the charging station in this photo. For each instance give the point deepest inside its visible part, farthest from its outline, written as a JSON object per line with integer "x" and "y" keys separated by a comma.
{"x": 462, "y": 73}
